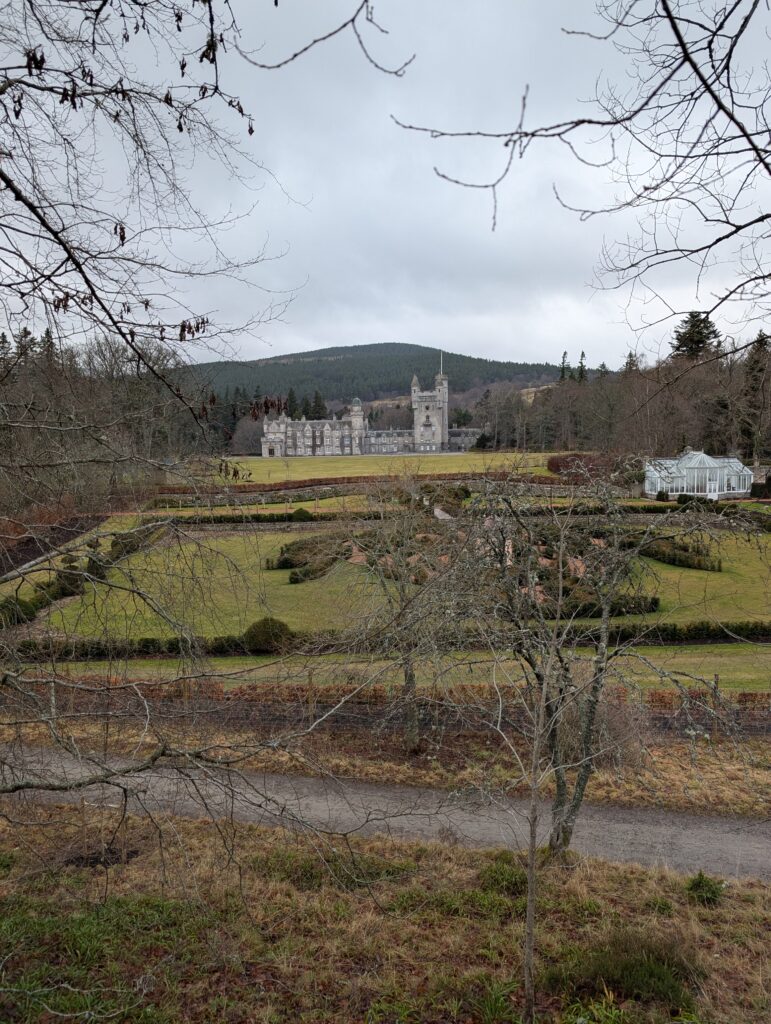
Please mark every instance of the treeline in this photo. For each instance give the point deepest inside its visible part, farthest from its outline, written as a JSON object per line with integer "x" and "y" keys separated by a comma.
{"x": 704, "y": 394}
{"x": 82, "y": 422}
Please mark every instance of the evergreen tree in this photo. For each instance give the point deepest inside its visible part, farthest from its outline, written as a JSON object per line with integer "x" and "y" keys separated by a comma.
{"x": 5, "y": 349}
{"x": 695, "y": 336}
{"x": 631, "y": 363}
{"x": 582, "y": 369}
{"x": 756, "y": 399}
{"x": 292, "y": 405}
{"x": 25, "y": 345}
{"x": 602, "y": 370}
{"x": 305, "y": 407}
{"x": 48, "y": 349}
{"x": 318, "y": 408}
{"x": 564, "y": 366}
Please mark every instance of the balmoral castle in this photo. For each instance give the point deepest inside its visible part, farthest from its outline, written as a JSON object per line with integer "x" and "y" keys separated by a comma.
{"x": 351, "y": 435}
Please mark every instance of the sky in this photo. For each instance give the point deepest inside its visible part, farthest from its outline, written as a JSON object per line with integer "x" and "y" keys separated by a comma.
{"x": 373, "y": 246}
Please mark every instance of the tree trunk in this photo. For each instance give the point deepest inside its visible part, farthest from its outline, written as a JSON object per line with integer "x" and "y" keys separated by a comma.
{"x": 411, "y": 717}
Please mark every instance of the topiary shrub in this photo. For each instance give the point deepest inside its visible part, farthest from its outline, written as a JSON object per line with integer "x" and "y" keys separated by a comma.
{"x": 267, "y": 636}
{"x": 662, "y": 496}
{"x": 302, "y": 515}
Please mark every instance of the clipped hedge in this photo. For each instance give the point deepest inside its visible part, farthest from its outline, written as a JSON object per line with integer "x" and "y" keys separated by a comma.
{"x": 688, "y": 556}
{"x": 267, "y": 636}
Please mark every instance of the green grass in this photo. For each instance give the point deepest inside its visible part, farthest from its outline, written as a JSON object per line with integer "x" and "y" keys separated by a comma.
{"x": 742, "y": 591}
{"x": 216, "y": 587}
{"x": 307, "y": 468}
{"x": 738, "y": 667}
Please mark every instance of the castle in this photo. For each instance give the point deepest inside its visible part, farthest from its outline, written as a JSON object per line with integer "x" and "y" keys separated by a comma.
{"x": 351, "y": 435}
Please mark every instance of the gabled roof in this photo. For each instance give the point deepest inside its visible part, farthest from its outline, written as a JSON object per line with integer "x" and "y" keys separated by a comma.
{"x": 696, "y": 460}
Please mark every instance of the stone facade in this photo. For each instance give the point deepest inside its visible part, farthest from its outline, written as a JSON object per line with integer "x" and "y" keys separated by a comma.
{"x": 351, "y": 435}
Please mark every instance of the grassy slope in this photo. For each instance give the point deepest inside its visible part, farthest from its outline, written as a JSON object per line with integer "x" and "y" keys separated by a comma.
{"x": 217, "y": 587}
{"x": 220, "y": 587}
{"x": 741, "y": 591}
{"x": 386, "y": 933}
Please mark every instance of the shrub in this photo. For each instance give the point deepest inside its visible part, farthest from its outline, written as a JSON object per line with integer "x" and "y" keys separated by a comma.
{"x": 16, "y": 610}
{"x": 267, "y": 636}
{"x": 689, "y": 555}
{"x": 705, "y": 890}
{"x": 130, "y": 541}
{"x": 635, "y": 964}
{"x": 302, "y": 515}
{"x": 662, "y": 496}
{"x": 694, "y": 500}
{"x": 504, "y": 874}
{"x": 309, "y": 870}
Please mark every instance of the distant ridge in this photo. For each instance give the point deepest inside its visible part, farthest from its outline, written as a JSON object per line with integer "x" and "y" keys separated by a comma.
{"x": 368, "y": 372}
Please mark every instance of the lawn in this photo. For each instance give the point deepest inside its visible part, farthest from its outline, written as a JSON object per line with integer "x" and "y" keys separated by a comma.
{"x": 737, "y": 666}
{"x": 193, "y": 923}
{"x": 212, "y": 587}
{"x": 218, "y": 586}
{"x": 306, "y": 468}
{"x": 742, "y": 591}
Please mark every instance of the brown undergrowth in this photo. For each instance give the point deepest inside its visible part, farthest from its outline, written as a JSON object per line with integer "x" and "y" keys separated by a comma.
{"x": 167, "y": 921}
{"x": 718, "y": 776}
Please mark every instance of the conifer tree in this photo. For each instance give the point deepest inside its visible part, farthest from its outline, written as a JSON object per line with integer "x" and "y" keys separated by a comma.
{"x": 695, "y": 336}
{"x": 25, "y": 345}
{"x": 581, "y": 377}
{"x": 318, "y": 408}
{"x": 48, "y": 349}
{"x": 564, "y": 366}
{"x": 305, "y": 407}
{"x": 292, "y": 405}
{"x": 631, "y": 363}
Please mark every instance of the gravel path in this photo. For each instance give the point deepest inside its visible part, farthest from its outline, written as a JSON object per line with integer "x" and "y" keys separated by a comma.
{"x": 730, "y": 847}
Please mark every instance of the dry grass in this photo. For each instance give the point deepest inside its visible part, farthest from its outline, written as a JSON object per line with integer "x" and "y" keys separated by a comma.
{"x": 722, "y": 776}
{"x": 193, "y": 923}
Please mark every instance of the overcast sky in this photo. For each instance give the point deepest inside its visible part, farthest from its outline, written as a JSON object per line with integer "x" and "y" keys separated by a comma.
{"x": 377, "y": 248}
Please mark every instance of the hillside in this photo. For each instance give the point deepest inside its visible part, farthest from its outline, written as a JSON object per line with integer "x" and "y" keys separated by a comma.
{"x": 366, "y": 371}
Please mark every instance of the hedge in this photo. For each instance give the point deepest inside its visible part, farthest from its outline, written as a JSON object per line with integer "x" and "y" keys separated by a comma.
{"x": 84, "y": 649}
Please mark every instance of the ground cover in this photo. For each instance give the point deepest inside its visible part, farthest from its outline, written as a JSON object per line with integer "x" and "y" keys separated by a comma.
{"x": 261, "y": 470}
{"x": 155, "y": 922}
{"x": 740, "y": 666}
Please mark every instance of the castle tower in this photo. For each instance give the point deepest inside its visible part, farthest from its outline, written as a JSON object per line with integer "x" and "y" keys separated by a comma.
{"x": 358, "y": 428}
{"x": 430, "y": 412}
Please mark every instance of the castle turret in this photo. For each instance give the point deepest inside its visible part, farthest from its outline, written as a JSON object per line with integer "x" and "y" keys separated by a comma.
{"x": 430, "y": 410}
{"x": 358, "y": 427}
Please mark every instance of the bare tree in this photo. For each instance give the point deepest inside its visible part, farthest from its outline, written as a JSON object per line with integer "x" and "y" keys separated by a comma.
{"x": 686, "y": 135}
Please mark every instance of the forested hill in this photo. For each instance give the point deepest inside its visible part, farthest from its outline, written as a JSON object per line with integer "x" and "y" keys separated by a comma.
{"x": 364, "y": 371}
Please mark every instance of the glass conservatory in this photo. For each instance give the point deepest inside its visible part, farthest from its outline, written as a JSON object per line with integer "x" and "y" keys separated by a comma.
{"x": 698, "y": 474}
